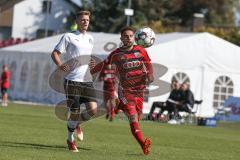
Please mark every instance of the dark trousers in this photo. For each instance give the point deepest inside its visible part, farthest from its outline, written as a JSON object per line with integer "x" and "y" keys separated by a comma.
{"x": 161, "y": 105}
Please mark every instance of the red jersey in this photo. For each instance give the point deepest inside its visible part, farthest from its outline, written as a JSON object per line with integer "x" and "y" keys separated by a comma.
{"x": 5, "y": 78}
{"x": 107, "y": 75}
{"x": 133, "y": 67}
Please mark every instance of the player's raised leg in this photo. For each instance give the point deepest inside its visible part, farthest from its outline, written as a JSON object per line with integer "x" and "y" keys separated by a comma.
{"x": 91, "y": 110}
{"x": 79, "y": 132}
{"x": 133, "y": 116}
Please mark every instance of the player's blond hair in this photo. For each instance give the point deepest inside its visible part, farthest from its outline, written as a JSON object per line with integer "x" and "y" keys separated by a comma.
{"x": 81, "y": 13}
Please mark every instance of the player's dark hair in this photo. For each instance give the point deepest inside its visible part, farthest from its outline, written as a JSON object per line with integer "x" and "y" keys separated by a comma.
{"x": 81, "y": 13}
{"x": 127, "y": 28}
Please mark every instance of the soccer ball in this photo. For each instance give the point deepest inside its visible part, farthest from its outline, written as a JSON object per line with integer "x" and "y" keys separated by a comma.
{"x": 145, "y": 37}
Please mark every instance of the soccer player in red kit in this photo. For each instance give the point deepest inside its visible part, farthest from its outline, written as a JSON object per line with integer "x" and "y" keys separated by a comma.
{"x": 5, "y": 80}
{"x": 134, "y": 72}
{"x": 108, "y": 77}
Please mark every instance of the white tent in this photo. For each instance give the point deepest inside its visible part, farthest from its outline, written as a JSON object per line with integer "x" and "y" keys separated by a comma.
{"x": 30, "y": 65}
{"x": 201, "y": 56}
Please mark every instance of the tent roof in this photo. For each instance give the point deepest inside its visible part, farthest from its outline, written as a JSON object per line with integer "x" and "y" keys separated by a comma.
{"x": 47, "y": 44}
{"x": 168, "y": 37}
{"x": 179, "y": 50}
{"x": 202, "y": 49}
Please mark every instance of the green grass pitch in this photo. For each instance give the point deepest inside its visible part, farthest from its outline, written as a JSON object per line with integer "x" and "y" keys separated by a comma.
{"x": 34, "y": 133}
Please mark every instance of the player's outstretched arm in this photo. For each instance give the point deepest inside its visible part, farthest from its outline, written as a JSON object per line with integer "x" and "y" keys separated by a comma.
{"x": 97, "y": 67}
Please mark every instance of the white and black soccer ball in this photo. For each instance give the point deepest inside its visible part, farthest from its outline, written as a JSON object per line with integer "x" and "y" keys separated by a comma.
{"x": 145, "y": 37}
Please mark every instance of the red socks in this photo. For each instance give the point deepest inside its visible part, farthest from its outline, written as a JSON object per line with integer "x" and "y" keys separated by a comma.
{"x": 112, "y": 112}
{"x": 137, "y": 133}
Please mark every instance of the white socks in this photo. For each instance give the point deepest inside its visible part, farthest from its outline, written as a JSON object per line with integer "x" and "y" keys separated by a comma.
{"x": 70, "y": 136}
{"x": 4, "y": 104}
{"x": 71, "y": 127}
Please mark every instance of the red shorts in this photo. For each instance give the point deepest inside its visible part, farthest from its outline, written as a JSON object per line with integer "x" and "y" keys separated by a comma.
{"x": 131, "y": 104}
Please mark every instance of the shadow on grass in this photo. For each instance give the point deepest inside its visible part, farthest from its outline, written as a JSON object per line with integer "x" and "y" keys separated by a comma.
{"x": 36, "y": 146}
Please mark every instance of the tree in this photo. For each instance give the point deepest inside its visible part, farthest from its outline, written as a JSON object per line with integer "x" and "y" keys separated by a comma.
{"x": 217, "y": 12}
{"x": 107, "y": 15}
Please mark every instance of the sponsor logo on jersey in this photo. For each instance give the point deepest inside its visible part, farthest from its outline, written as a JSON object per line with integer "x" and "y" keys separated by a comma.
{"x": 137, "y": 54}
{"x": 90, "y": 41}
{"x": 132, "y": 64}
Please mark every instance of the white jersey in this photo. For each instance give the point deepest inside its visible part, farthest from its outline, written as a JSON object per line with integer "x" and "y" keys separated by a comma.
{"x": 76, "y": 44}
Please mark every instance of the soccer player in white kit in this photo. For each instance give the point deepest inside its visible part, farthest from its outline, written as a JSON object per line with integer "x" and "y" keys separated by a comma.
{"x": 78, "y": 87}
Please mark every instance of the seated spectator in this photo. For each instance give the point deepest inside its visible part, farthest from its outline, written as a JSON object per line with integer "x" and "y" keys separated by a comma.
{"x": 174, "y": 101}
{"x": 170, "y": 104}
{"x": 187, "y": 101}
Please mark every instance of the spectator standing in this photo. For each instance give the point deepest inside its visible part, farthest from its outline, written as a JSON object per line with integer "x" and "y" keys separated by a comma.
{"x": 5, "y": 83}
